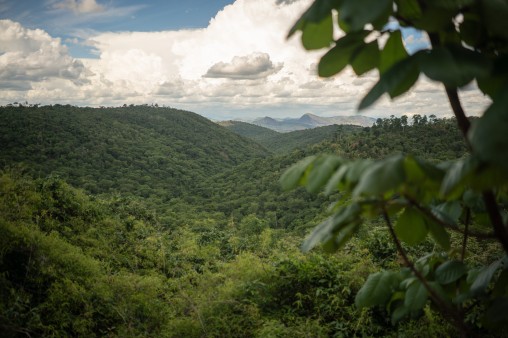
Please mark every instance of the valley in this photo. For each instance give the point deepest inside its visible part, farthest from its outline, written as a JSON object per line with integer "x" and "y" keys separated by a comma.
{"x": 144, "y": 221}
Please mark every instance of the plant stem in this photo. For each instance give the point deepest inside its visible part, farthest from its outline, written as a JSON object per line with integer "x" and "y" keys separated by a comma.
{"x": 466, "y": 231}
{"x": 454, "y": 314}
{"x": 495, "y": 217}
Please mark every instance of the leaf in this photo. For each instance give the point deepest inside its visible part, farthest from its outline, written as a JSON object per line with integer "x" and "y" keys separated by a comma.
{"x": 409, "y": 9}
{"x": 454, "y": 66}
{"x": 377, "y": 290}
{"x": 393, "y": 52}
{"x": 337, "y": 58}
{"x": 381, "y": 177}
{"x": 327, "y": 229}
{"x": 483, "y": 279}
{"x": 322, "y": 169}
{"x": 341, "y": 237}
{"x": 411, "y": 227}
{"x": 318, "y": 11}
{"x": 365, "y": 58}
{"x": 396, "y": 81}
{"x": 496, "y": 11}
{"x": 399, "y": 313}
{"x": 291, "y": 177}
{"x": 488, "y": 135}
{"x": 450, "y": 271}
{"x": 457, "y": 175}
{"x": 416, "y": 296}
{"x": 357, "y": 13}
{"x": 318, "y": 35}
{"x": 439, "y": 234}
{"x": 336, "y": 179}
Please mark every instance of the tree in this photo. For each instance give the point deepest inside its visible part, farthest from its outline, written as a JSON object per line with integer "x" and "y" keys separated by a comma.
{"x": 414, "y": 198}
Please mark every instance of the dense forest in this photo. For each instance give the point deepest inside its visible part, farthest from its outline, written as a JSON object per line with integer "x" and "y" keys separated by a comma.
{"x": 145, "y": 221}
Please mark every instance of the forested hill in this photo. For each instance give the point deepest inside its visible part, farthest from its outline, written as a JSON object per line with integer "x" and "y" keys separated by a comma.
{"x": 139, "y": 149}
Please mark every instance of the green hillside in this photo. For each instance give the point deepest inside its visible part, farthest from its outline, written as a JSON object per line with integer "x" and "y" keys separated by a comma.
{"x": 300, "y": 139}
{"x": 140, "y": 150}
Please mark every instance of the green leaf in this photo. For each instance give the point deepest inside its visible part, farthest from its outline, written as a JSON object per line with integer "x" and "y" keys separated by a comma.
{"x": 450, "y": 271}
{"x": 341, "y": 237}
{"x": 292, "y": 177}
{"x": 460, "y": 172}
{"x": 365, "y": 58}
{"x": 399, "y": 313}
{"x": 325, "y": 231}
{"x": 318, "y": 35}
{"x": 393, "y": 52}
{"x": 377, "y": 290}
{"x": 336, "y": 179}
{"x": 451, "y": 4}
{"x": 322, "y": 169}
{"x": 411, "y": 227}
{"x": 409, "y": 9}
{"x": 496, "y": 11}
{"x": 416, "y": 296}
{"x": 488, "y": 135}
{"x": 439, "y": 234}
{"x": 483, "y": 279}
{"x": 382, "y": 176}
{"x": 396, "y": 81}
{"x": 358, "y": 13}
{"x": 318, "y": 11}
{"x": 337, "y": 58}
{"x": 454, "y": 66}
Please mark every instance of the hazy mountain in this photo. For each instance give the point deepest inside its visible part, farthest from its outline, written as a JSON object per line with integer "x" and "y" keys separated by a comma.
{"x": 308, "y": 121}
{"x": 252, "y": 131}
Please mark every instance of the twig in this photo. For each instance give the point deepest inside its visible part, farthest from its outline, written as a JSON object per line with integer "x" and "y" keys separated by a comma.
{"x": 466, "y": 231}
{"x": 455, "y": 315}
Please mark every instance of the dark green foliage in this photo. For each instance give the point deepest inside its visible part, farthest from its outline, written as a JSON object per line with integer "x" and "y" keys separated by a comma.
{"x": 140, "y": 150}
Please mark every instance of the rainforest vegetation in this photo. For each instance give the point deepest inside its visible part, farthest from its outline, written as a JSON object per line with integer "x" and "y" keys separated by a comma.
{"x": 170, "y": 225}
{"x": 143, "y": 221}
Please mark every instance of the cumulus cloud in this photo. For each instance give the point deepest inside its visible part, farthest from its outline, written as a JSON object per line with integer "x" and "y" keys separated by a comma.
{"x": 248, "y": 67}
{"x": 241, "y": 63}
{"x": 80, "y": 6}
{"x": 33, "y": 55}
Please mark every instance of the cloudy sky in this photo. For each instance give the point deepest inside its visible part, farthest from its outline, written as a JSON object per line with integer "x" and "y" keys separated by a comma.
{"x": 223, "y": 59}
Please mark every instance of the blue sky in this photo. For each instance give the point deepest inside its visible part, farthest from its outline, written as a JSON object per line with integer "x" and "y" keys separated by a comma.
{"x": 117, "y": 15}
{"x": 221, "y": 59}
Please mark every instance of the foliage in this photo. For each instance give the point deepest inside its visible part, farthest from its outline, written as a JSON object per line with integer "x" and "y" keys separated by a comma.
{"x": 469, "y": 195}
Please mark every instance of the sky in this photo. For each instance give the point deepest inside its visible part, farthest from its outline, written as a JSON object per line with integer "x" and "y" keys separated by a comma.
{"x": 222, "y": 59}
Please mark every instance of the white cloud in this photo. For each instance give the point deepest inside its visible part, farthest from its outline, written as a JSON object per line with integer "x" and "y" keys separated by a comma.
{"x": 248, "y": 67}
{"x": 28, "y": 56}
{"x": 241, "y": 63}
{"x": 80, "y": 6}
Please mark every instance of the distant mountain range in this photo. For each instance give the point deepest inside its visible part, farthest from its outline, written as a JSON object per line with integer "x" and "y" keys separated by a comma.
{"x": 308, "y": 121}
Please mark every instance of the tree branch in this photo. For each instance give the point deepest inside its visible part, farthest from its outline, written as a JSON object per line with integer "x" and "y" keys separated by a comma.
{"x": 495, "y": 217}
{"x": 454, "y": 314}
{"x": 466, "y": 230}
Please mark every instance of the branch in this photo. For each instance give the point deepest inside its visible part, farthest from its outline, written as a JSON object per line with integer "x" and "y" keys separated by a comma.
{"x": 456, "y": 316}
{"x": 460, "y": 115}
{"x": 466, "y": 231}
{"x": 495, "y": 217}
